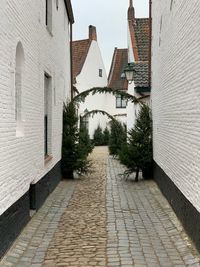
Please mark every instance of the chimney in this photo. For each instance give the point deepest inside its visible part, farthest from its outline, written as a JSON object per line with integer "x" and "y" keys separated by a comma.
{"x": 92, "y": 33}
{"x": 131, "y": 12}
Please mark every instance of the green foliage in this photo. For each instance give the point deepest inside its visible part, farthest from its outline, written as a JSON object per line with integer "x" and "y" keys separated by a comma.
{"x": 117, "y": 137}
{"x": 102, "y": 90}
{"x": 98, "y": 138}
{"x": 106, "y": 136}
{"x": 137, "y": 154}
{"x": 74, "y": 157}
{"x": 98, "y": 111}
{"x": 85, "y": 144}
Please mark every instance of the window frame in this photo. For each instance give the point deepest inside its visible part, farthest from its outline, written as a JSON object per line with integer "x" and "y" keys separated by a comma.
{"x": 122, "y": 102}
{"x": 48, "y": 110}
{"x": 101, "y": 73}
{"x": 49, "y": 15}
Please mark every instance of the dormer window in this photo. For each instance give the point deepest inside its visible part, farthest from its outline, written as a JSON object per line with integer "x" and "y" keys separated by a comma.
{"x": 100, "y": 73}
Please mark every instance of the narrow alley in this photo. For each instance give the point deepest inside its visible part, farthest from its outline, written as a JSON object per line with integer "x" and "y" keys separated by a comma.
{"x": 103, "y": 220}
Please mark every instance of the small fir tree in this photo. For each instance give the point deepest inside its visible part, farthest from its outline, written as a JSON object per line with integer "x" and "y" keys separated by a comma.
{"x": 117, "y": 137}
{"x": 98, "y": 138}
{"x": 137, "y": 154}
{"x": 84, "y": 140}
{"x": 106, "y": 136}
{"x": 73, "y": 155}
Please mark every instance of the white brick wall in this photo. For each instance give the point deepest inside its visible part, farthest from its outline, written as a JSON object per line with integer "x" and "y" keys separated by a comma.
{"x": 176, "y": 93}
{"x": 22, "y": 159}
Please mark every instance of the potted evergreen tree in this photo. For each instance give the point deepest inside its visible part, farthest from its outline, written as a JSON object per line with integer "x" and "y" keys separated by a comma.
{"x": 117, "y": 137}
{"x": 98, "y": 138}
{"x": 74, "y": 150}
{"x": 137, "y": 154}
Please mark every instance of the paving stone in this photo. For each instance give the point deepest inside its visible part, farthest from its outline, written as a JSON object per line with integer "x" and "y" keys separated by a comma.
{"x": 148, "y": 229}
{"x": 102, "y": 220}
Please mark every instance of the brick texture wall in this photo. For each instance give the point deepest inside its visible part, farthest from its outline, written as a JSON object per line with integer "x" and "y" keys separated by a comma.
{"x": 176, "y": 93}
{"x": 22, "y": 158}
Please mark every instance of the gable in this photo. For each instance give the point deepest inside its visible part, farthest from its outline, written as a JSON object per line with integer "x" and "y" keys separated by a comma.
{"x": 119, "y": 62}
{"x": 79, "y": 54}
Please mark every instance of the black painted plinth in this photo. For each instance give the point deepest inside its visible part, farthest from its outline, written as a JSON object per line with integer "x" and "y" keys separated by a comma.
{"x": 40, "y": 191}
{"x": 12, "y": 221}
{"x": 185, "y": 211}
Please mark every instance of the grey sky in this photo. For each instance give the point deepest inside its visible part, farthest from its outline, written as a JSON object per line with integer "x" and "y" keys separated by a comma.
{"x": 110, "y": 18}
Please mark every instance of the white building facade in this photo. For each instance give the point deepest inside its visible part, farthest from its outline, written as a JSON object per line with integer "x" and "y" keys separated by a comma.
{"x": 176, "y": 107}
{"x": 89, "y": 72}
{"x": 34, "y": 83}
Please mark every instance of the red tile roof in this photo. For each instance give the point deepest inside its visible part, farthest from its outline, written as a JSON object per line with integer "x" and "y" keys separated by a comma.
{"x": 119, "y": 62}
{"x": 141, "y": 29}
{"x": 139, "y": 32}
{"x": 79, "y": 53}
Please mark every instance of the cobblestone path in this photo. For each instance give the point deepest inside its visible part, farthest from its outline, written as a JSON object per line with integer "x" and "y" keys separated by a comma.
{"x": 102, "y": 220}
{"x": 81, "y": 236}
{"x": 142, "y": 228}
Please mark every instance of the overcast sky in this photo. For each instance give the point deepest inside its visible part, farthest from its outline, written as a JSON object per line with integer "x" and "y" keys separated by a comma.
{"x": 110, "y": 19}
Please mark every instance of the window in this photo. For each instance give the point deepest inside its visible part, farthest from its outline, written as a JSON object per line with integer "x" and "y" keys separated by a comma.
{"x": 84, "y": 122}
{"x": 49, "y": 15}
{"x": 18, "y": 88}
{"x": 171, "y": 4}
{"x": 47, "y": 115}
{"x": 120, "y": 102}
{"x": 100, "y": 73}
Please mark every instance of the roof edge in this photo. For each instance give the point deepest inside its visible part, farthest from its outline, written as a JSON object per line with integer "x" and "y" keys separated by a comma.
{"x": 76, "y": 41}
{"x": 69, "y": 9}
{"x": 112, "y": 64}
{"x": 85, "y": 56}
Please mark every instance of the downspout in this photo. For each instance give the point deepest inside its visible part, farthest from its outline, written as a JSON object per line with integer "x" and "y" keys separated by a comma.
{"x": 150, "y": 40}
{"x": 71, "y": 59}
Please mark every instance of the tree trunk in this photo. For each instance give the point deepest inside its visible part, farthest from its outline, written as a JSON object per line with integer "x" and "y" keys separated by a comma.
{"x": 137, "y": 175}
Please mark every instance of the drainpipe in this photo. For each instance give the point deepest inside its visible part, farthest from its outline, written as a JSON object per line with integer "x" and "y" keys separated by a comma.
{"x": 150, "y": 39}
{"x": 71, "y": 68}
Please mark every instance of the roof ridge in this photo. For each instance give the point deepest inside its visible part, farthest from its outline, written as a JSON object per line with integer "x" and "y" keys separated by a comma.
{"x": 81, "y": 40}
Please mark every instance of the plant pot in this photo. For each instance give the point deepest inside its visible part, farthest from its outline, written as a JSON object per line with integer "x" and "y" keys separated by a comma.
{"x": 147, "y": 172}
{"x": 68, "y": 175}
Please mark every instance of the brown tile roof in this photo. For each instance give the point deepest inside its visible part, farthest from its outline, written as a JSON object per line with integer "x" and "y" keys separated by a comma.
{"x": 141, "y": 29}
{"x": 139, "y": 33}
{"x": 79, "y": 53}
{"x": 141, "y": 74}
{"x": 119, "y": 62}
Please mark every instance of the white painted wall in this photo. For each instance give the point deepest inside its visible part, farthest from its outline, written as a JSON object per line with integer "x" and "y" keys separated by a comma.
{"x": 89, "y": 78}
{"x": 131, "y": 57}
{"x": 22, "y": 158}
{"x": 118, "y": 113}
{"x": 176, "y": 94}
{"x": 131, "y": 107}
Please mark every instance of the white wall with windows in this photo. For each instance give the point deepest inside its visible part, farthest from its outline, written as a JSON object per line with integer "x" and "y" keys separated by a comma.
{"x": 34, "y": 42}
{"x": 93, "y": 74}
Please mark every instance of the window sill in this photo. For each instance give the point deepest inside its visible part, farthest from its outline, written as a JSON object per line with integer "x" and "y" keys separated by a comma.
{"x": 121, "y": 107}
{"x": 49, "y": 31}
{"x": 47, "y": 159}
